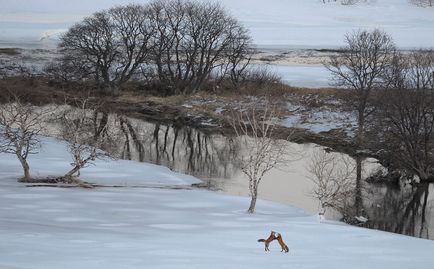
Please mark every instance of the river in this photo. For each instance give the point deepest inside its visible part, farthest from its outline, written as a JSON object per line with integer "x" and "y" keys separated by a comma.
{"x": 401, "y": 209}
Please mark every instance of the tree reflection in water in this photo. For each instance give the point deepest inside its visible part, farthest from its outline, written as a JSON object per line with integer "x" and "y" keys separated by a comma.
{"x": 182, "y": 149}
{"x": 403, "y": 209}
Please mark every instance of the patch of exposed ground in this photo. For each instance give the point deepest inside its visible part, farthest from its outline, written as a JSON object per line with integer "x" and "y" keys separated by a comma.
{"x": 316, "y": 116}
{"x": 293, "y": 57}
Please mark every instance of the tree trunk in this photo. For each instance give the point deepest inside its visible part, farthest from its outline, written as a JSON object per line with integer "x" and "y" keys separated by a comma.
{"x": 253, "y": 202}
{"x": 74, "y": 170}
{"x": 358, "y": 199}
{"x": 26, "y": 168}
{"x": 359, "y": 160}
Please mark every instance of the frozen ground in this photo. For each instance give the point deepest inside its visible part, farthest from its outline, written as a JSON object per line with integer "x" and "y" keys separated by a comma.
{"x": 320, "y": 119}
{"x": 273, "y": 24}
{"x": 44, "y": 227}
{"x": 306, "y": 76}
{"x": 298, "y": 71}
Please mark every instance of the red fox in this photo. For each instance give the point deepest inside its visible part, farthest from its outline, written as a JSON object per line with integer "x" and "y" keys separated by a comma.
{"x": 274, "y": 236}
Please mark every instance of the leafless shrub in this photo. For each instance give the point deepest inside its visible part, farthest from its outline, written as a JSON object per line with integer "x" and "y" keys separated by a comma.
{"x": 333, "y": 176}
{"x": 20, "y": 125}
{"x": 14, "y": 69}
{"x": 261, "y": 75}
{"x": 86, "y": 131}
{"x": 351, "y": 2}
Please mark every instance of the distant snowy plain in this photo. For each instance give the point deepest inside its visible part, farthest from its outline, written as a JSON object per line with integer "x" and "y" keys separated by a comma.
{"x": 273, "y": 23}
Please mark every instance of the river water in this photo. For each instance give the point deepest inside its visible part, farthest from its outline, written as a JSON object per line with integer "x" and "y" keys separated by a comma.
{"x": 211, "y": 157}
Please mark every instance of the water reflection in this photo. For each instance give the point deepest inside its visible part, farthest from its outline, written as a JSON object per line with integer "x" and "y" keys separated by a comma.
{"x": 401, "y": 209}
{"x": 180, "y": 148}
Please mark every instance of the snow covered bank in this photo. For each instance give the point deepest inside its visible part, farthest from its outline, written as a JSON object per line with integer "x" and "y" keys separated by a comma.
{"x": 51, "y": 228}
{"x": 54, "y": 160}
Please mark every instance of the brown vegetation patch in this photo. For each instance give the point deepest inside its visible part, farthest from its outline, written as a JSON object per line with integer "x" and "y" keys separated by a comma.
{"x": 10, "y": 51}
{"x": 73, "y": 181}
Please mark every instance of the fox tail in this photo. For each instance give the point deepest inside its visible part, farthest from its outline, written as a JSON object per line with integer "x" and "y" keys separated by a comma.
{"x": 261, "y": 240}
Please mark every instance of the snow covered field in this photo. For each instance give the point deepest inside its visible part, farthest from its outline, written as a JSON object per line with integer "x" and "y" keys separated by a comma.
{"x": 45, "y": 227}
{"x": 306, "y": 76}
{"x": 273, "y": 23}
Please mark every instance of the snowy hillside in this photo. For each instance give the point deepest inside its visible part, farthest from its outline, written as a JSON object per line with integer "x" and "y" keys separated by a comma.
{"x": 273, "y": 23}
{"x": 51, "y": 228}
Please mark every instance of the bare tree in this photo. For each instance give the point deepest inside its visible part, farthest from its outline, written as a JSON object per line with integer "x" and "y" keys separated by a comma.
{"x": 86, "y": 131}
{"x": 361, "y": 67}
{"x": 333, "y": 176}
{"x": 408, "y": 114}
{"x": 255, "y": 129}
{"x": 195, "y": 39}
{"x": 20, "y": 125}
{"x": 110, "y": 45}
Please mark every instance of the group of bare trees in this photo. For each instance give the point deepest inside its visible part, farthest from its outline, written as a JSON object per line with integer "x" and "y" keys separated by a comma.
{"x": 393, "y": 94}
{"x": 180, "y": 43}
{"x": 391, "y": 91}
{"x": 22, "y": 125}
{"x": 407, "y": 114}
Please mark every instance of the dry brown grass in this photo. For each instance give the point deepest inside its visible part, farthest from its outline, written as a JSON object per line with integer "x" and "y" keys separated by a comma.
{"x": 30, "y": 90}
{"x": 10, "y": 51}
{"x": 40, "y": 91}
